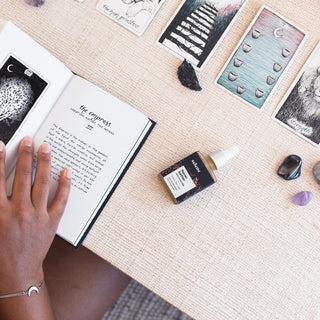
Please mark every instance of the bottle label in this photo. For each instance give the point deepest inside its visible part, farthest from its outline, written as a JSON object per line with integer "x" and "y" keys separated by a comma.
{"x": 187, "y": 177}
{"x": 179, "y": 181}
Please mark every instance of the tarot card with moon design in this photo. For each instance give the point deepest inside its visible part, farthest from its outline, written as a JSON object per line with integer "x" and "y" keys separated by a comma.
{"x": 20, "y": 88}
{"x": 258, "y": 62}
{"x": 299, "y": 111}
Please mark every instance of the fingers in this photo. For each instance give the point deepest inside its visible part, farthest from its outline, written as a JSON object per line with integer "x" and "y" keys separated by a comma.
{"x": 3, "y": 191}
{"x": 40, "y": 191}
{"x": 41, "y": 184}
{"x": 23, "y": 175}
{"x": 61, "y": 197}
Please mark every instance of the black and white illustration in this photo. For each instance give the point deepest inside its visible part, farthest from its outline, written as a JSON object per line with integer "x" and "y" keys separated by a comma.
{"x": 197, "y": 28}
{"x": 300, "y": 109}
{"x": 135, "y": 15}
{"x": 20, "y": 88}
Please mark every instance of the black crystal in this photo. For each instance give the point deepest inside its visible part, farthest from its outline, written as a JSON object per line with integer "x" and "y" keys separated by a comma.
{"x": 290, "y": 168}
{"x": 188, "y": 77}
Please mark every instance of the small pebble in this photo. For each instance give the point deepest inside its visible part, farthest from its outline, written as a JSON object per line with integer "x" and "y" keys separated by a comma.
{"x": 188, "y": 77}
{"x": 316, "y": 172}
{"x": 35, "y": 3}
{"x": 302, "y": 198}
{"x": 290, "y": 168}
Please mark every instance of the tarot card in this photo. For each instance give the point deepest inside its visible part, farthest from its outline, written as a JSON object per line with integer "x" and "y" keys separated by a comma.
{"x": 264, "y": 53}
{"x": 197, "y": 27}
{"x": 299, "y": 110}
{"x": 135, "y": 15}
{"x": 20, "y": 88}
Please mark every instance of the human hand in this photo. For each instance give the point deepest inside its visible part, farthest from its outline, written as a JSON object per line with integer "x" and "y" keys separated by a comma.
{"x": 27, "y": 226}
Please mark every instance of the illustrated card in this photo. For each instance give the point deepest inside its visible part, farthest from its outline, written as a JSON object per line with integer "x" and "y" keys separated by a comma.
{"x": 135, "y": 15}
{"x": 197, "y": 28}
{"x": 264, "y": 53}
{"x": 20, "y": 88}
{"x": 299, "y": 110}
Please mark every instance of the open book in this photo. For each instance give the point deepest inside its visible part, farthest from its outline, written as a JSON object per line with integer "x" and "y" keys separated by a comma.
{"x": 88, "y": 129}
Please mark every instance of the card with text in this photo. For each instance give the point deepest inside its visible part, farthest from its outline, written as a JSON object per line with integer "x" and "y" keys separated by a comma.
{"x": 134, "y": 15}
{"x": 197, "y": 28}
{"x": 299, "y": 110}
{"x": 264, "y": 53}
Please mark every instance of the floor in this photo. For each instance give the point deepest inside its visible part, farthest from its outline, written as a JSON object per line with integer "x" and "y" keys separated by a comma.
{"x": 138, "y": 303}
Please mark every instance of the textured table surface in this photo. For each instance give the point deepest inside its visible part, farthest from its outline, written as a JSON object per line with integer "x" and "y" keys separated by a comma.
{"x": 240, "y": 249}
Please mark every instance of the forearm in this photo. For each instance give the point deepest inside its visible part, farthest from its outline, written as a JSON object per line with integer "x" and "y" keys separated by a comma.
{"x": 27, "y": 228}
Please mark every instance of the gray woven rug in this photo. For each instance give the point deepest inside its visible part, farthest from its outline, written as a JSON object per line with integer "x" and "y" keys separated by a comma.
{"x": 138, "y": 303}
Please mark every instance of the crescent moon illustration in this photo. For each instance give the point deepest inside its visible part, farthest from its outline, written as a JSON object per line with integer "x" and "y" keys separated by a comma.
{"x": 8, "y": 68}
{"x": 32, "y": 289}
{"x": 276, "y": 33}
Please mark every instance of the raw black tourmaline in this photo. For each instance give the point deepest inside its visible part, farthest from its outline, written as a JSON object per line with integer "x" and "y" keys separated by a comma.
{"x": 188, "y": 77}
{"x": 290, "y": 168}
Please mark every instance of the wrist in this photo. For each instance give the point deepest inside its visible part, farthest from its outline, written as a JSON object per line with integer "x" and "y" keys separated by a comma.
{"x": 12, "y": 283}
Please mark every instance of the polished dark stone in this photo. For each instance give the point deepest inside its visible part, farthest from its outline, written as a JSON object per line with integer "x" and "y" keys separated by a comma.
{"x": 188, "y": 77}
{"x": 290, "y": 168}
{"x": 316, "y": 172}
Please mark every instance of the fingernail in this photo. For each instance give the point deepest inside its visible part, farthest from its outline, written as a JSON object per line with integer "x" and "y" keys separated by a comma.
{"x": 45, "y": 148}
{"x": 68, "y": 173}
{"x": 1, "y": 146}
{"x": 27, "y": 141}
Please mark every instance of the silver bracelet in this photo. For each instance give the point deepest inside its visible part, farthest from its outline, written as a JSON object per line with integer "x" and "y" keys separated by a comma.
{"x": 22, "y": 293}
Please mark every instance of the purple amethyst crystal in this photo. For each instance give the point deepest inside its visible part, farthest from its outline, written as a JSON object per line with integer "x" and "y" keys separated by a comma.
{"x": 302, "y": 198}
{"x": 35, "y": 3}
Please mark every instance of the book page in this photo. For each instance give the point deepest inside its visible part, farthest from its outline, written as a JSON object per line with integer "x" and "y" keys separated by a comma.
{"x": 31, "y": 80}
{"x": 96, "y": 135}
